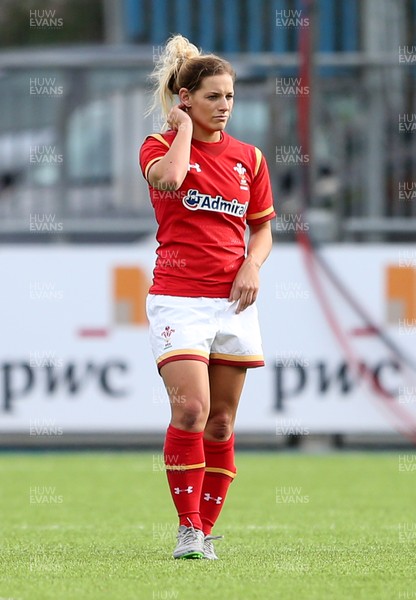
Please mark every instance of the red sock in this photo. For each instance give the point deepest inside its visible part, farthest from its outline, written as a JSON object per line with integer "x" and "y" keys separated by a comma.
{"x": 219, "y": 473}
{"x": 185, "y": 467}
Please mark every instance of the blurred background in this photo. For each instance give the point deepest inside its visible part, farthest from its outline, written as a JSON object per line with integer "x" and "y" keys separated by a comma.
{"x": 326, "y": 89}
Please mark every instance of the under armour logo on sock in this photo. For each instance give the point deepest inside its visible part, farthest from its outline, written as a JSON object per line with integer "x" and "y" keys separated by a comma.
{"x": 208, "y": 497}
{"x": 195, "y": 166}
{"x": 188, "y": 490}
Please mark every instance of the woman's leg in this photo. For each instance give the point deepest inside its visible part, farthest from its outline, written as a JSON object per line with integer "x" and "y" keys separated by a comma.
{"x": 187, "y": 385}
{"x": 226, "y": 385}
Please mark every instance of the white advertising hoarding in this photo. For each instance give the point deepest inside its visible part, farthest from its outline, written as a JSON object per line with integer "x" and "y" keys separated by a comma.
{"x": 74, "y": 351}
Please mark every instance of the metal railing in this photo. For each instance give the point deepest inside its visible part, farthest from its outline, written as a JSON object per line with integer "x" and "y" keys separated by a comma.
{"x": 72, "y": 121}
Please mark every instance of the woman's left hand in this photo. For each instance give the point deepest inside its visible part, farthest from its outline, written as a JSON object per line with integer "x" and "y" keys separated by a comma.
{"x": 246, "y": 285}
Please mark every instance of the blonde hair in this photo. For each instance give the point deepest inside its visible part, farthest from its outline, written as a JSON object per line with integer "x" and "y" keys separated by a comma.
{"x": 182, "y": 65}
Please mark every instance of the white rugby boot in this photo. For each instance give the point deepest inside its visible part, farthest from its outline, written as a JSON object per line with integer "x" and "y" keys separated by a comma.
{"x": 190, "y": 542}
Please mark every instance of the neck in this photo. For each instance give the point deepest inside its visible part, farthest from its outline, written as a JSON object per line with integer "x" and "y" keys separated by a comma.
{"x": 205, "y": 136}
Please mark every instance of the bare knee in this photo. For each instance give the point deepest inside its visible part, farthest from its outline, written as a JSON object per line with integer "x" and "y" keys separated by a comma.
{"x": 219, "y": 427}
{"x": 191, "y": 416}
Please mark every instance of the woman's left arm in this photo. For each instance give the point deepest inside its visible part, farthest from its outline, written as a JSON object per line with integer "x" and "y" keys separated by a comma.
{"x": 246, "y": 284}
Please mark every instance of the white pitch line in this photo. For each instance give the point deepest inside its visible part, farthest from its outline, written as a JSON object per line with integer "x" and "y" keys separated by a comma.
{"x": 79, "y": 527}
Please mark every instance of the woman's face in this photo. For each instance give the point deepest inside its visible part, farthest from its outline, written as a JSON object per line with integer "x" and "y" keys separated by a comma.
{"x": 210, "y": 106}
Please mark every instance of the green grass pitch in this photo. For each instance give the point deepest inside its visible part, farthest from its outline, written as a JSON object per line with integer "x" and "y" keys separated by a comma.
{"x": 87, "y": 526}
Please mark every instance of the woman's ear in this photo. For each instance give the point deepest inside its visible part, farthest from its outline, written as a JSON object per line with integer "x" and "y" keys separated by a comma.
{"x": 184, "y": 97}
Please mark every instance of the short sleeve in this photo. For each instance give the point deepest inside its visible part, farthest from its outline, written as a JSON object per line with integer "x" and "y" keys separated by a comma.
{"x": 260, "y": 208}
{"x": 153, "y": 149}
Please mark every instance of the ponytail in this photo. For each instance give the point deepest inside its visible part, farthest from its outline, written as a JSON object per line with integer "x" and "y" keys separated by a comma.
{"x": 178, "y": 49}
{"x": 181, "y": 65}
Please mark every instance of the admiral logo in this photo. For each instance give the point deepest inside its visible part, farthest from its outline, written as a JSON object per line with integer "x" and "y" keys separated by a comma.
{"x": 194, "y": 200}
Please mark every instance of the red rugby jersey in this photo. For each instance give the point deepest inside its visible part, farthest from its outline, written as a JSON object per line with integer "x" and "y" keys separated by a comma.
{"x": 202, "y": 225}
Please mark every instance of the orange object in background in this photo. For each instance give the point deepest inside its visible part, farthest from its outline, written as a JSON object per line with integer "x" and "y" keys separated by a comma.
{"x": 401, "y": 295}
{"x": 130, "y": 287}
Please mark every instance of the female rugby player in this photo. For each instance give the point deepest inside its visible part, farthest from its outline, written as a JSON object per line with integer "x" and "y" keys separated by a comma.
{"x": 205, "y": 186}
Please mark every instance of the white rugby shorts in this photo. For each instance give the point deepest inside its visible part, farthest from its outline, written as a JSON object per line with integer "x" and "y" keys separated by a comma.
{"x": 204, "y": 329}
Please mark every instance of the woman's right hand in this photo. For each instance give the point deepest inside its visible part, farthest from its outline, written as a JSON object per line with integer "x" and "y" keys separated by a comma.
{"x": 178, "y": 118}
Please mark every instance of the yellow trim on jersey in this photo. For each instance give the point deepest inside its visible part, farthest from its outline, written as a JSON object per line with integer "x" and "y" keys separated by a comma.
{"x": 218, "y": 470}
{"x": 236, "y": 358}
{"x": 184, "y": 467}
{"x": 259, "y": 156}
{"x": 160, "y": 138}
{"x": 179, "y": 352}
{"x": 149, "y": 164}
{"x": 258, "y": 215}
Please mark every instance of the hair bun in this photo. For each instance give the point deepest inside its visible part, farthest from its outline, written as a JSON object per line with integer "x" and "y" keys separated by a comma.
{"x": 177, "y": 51}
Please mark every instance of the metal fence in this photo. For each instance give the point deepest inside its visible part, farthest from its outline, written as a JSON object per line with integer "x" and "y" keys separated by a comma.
{"x": 71, "y": 123}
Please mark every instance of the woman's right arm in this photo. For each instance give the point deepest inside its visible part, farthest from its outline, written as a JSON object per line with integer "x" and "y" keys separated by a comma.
{"x": 169, "y": 172}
